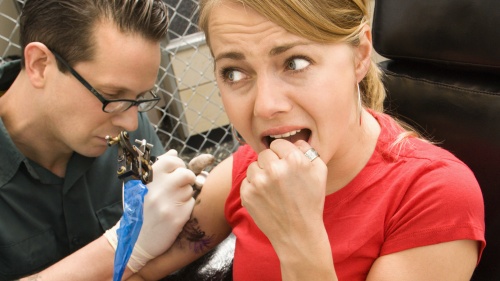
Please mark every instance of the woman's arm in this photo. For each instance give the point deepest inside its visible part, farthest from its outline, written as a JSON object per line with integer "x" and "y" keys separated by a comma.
{"x": 453, "y": 260}
{"x": 205, "y": 230}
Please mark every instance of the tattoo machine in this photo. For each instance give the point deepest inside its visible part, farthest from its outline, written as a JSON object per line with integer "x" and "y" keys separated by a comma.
{"x": 133, "y": 161}
{"x": 137, "y": 163}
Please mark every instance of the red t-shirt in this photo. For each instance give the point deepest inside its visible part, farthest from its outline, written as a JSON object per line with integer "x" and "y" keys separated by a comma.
{"x": 406, "y": 196}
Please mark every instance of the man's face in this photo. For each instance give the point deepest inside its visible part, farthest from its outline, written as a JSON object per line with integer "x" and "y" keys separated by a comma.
{"x": 125, "y": 66}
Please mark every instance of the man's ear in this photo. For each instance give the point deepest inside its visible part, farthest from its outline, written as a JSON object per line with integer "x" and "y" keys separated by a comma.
{"x": 36, "y": 59}
{"x": 363, "y": 53}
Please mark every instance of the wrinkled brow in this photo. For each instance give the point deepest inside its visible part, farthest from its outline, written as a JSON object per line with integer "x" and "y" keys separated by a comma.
{"x": 231, "y": 55}
{"x": 234, "y": 55}
{"x": 283, "y": 48}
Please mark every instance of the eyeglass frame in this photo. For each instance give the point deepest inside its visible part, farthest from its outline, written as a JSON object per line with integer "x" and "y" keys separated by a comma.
{"x": 101, "y": 98}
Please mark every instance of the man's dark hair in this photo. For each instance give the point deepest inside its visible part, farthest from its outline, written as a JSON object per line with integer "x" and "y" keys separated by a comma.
{"x": 67, "y": 26}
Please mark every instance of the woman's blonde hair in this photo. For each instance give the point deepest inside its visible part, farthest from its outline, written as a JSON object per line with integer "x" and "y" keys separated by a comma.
{"x": 320, "y": 21}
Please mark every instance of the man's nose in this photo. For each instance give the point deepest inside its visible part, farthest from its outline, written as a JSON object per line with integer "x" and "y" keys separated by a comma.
{"x": 128, "y": 119}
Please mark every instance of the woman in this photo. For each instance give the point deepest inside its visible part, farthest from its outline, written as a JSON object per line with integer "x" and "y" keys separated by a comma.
{"x": 378, "y": 204}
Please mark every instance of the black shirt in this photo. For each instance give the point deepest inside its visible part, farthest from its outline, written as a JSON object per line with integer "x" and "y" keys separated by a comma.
{"x": 43, "y": 217}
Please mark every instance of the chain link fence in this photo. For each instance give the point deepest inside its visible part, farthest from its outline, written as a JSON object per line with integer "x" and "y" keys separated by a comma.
{"x": 190, "y": 117}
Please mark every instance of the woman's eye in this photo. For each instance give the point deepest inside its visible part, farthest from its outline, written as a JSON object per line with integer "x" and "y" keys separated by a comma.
{"x": 297, "y": 63}
{"x": 232, "y": 75}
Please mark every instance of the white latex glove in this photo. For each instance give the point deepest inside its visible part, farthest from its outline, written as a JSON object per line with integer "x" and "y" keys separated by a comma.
{"x": 167, "y": 207}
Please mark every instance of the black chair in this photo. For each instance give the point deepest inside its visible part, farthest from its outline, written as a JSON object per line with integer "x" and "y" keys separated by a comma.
{"x": 443, "y": 77}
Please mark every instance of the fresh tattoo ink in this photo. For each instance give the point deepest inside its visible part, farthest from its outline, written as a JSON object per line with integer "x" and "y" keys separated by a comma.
{"x": 196, "y": 238}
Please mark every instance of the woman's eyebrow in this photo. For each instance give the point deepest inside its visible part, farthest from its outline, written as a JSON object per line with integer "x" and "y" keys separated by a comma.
{"x": 283, "y": 48}
{"x": 230, "y": 55}
{"x": 235, "y": 55}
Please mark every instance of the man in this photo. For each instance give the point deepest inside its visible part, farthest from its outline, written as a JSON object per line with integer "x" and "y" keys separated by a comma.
{"x": 88, "y": 71}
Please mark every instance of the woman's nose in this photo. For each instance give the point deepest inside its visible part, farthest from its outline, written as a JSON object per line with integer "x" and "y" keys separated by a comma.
{"x": 271, "y": 97}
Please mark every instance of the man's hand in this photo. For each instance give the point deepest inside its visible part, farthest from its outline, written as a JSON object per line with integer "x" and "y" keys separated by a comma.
{"x": 167, "y": 207}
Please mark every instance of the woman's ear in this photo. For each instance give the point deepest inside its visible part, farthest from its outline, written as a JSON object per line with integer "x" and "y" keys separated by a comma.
{"x": 36, "y": 59}
{"x": 363, "y": 53}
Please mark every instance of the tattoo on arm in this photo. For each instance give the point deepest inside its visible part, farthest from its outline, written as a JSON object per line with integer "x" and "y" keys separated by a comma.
{"x": 196, "y": 238}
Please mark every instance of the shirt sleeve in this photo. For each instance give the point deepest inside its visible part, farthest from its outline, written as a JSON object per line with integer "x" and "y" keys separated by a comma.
{"x": 444, "y": 203}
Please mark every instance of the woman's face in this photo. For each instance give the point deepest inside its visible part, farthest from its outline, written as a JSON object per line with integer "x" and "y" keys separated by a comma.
{"x": 274, "y": 84}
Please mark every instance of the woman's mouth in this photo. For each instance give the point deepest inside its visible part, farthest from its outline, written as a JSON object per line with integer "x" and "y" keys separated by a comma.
{"x": 291, "y": 136}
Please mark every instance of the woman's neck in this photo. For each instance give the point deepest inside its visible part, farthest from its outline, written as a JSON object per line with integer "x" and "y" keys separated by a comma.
{"x": 344, "y": 168}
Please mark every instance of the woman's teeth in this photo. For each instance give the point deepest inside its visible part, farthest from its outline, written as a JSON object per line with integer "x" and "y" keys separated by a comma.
{"x": 285, "y": 135}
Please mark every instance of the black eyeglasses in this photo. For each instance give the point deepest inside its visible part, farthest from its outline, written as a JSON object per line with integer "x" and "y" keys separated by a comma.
{"x": 144, "y": 103}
